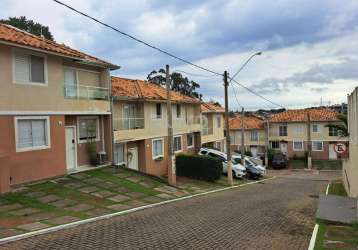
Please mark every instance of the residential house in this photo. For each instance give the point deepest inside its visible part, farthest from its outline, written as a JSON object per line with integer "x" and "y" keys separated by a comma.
{"x": 254, "y": 134}
{"x": 141, "y": 126}
{"x": 350, "y": 166}
{"x": 213, "y": 123}
{"x": 288, "y": 133}
{"x": 54, "y": 101}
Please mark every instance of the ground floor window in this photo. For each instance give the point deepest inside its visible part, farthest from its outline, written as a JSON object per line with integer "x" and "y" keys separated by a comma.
{"x": 120, "y": 153}
{"x": 88, "y": 128}
{"x": 275, "y": 144}
{"x": 317, "y": 145}
{"x": 298, "y": 145}
{"x": 157, "y": 148}
{"x": 217, "y": 145}
{"x": 32, "y": 133}
{"x": 177, "y": 143}
{"x": 190, "y": 140}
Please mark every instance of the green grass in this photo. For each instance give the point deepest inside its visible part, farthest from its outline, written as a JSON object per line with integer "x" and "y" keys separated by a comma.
{"x": 319, "y": 245}
{"x": 327, "y": 164}
{"x": 297, "y": 164}
{"x": 337, "y": 188}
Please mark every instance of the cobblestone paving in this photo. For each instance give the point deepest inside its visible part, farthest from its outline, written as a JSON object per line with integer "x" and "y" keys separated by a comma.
{"x": 278, "y": 214}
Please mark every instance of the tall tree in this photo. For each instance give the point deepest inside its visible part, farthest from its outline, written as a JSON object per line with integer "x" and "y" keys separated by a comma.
{"x": 29, "y": 26}
{"x": 342, "y": 128}
{"x": 179, "y": 83}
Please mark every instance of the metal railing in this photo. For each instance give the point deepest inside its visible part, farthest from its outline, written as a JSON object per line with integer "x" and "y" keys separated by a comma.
{"x": 193, "y": 120}
{"x": 128, "y": 123}
{"x": 207, "y": 131}
{"x": 85, "y": 92}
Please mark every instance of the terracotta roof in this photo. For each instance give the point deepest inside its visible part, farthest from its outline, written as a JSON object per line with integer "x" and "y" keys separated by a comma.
{"x": 300, "y": 115}
{"x": 207, "y": 107}
{"x": 14, "y": 35}
{"x": 139, "y": 89}
{"x": 250, "y": 122}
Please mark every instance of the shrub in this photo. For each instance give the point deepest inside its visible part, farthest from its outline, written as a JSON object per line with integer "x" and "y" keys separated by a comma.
{"x": 198, "y": 167}
{"x": 248, "y": 153}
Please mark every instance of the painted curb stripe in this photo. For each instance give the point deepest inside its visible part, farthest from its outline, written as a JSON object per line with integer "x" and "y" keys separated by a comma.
{"x": 107, "y": 216}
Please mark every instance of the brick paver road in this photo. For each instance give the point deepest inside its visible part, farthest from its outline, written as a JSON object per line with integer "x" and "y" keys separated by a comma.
{"x": 278, "y": 214}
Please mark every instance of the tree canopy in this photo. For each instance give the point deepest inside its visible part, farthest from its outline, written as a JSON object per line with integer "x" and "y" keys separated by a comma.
{"x": 29, "y": 26}
{"x": 179, "y": 83}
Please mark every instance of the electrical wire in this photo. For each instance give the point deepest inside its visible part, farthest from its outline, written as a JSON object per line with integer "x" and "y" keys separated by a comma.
{"x": 194, "y": 74}
{"x": 237, "y": 100}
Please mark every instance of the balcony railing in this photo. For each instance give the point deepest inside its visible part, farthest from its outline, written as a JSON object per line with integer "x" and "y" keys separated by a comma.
{"x": 207, "y": 131}
{"x": 193, "y": 120}
{"x": 85, "y": 92}
{"x": 128, "y": 123}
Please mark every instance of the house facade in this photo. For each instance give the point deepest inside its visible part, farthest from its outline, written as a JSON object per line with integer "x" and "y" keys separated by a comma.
{"x": 288, "y": 133}
{"x": 212, "y": 122}
{"x": 141, "y": 127}
{"x": 55, "y": 101}
{"x": 350, "y": 166}
{"x": 254, "y": 134}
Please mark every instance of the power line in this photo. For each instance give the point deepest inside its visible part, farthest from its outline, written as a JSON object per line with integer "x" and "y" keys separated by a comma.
{"x": 193, "y": 74}
{"x": 238, "y": 103}
{"x": 137, "y": 39}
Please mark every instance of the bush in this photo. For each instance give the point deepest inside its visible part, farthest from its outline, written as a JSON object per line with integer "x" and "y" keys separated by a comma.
{"x": 248, "y": 153}
{"x": 199, "y": 167}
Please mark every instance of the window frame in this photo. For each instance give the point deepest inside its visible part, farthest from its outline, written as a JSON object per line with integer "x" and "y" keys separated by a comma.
{"x": 278, "y": 143}
{"x": 178, "y": 115}
{"x": 124, "y": 162}
{"x": 158, "y": 156}
{"x": 318, "y": 128}
{"x": 181, "y": 143}
{"x": 48, "y": 133}
{"x": 218, "y": 121}
{"x": 279, "y": 130}
{"x": 155, "y": 117}
{"x": 98, "y": 137}
{"x": 187, "y": 145}
{"x": 320, "y": 150}
{"x": 29, "y": 53}
{"x": 297, "y": 149}
{"x": 252, "y": 132}
{"x": 333, "y": 134}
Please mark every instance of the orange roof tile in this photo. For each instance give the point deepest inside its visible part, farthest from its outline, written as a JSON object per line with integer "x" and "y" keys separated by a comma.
{"x": 16, "y": 36}
{"x": 250, "y": 123}
{"x": 139, "y": 89}
{"x": 207, "y": 107}
{"x": 300, "y": 115}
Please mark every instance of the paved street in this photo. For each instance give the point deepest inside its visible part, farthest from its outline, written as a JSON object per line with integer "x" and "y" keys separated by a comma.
{"x": 278, "y": 214}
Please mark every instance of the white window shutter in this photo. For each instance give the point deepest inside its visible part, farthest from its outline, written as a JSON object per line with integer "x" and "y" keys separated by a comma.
{"x": 22, "y": 68}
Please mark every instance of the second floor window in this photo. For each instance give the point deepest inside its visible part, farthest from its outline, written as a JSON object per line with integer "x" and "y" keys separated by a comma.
{"x": 29, "y": 69}
{"x": 333, "y": 131}
{"x": 158, "y": 110}
{"x": 178, "y": 110}
{"x": 218, "y": 121}
{"x": 315, "y": 128}
{"x": 254, "y": 136}
{"x": 282, "y": 130}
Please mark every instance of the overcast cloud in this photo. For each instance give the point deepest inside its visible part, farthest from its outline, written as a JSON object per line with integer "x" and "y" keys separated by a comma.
{"x": 310, "y": 48}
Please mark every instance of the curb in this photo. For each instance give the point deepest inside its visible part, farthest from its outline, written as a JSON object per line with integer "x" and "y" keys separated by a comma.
{"x": 108, "y": 216}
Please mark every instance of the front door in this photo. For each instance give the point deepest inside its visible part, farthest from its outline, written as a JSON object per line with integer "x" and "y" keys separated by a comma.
{"x": 283, "y": 146}
{"x": 253, "y": 151}
{"x": 132, "y": 158}
{"x": 70, "y": 148}
{"x": 332, "y": 152}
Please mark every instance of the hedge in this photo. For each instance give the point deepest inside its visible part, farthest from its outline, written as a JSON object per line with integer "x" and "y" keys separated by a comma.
{"x": 199, "y": 167}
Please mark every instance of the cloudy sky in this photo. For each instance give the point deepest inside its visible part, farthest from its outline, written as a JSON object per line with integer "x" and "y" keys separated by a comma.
{"x": 309, "y": 47}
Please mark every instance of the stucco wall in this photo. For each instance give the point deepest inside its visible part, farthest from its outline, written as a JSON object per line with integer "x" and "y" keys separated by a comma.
{"x": 218, "y": 132}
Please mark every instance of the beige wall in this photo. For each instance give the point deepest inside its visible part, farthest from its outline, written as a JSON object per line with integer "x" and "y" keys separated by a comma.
{"x": 21, "y": 97}
{"x": 350, "y": 166}
{"x": 218, "y": 131}
{"x": 235, "y": 138}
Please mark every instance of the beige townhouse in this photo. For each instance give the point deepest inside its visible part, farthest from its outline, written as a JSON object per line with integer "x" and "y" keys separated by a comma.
{"x": 141, "y": 126}
{"x": 254, "y": 134}
{"x": 288, "y": 133}
{"x": 212, "y": 120}
{"x": 350, "y": 166}
{"x": 55, "y": 102}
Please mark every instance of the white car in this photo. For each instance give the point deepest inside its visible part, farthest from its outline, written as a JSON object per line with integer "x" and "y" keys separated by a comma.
{"x": 238, "y": 170}
{"x": 248, "y": 161}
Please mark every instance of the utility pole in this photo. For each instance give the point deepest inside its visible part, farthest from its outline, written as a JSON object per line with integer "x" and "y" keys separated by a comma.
{"x": 171, "y": 157}
{"x": 309, "y": 142}
{"x": 266, "y": 142}
{"x": 242, "y": 137}
{"x": 228, "y": 149}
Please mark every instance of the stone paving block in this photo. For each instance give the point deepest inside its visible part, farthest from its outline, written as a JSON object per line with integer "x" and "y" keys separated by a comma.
{"x": 134, "y": 178}
{"x": 88, "y": 189}
{"x": 179, "y": 194}
{"x": 109, "y": 170}
{"x": 135, "y": 203}
{"x": 123, "y": 175}
{"x": 81, "y": 176}
{"x": 42, "y": 216}
{"x": 136, "y": 194}
{"x": 75, "y": 185}
{"x": 25, "y": 211}
{"x": 107, "y": 185}
{"x": 80, "y": 207}
{"x": 164, "y": 196}
{"x": 63, "y": 220}
{"x": 49, "y": 198}
{"x": 98, "y": 212}
{"x": 94, "y": 180}
{"x": 62, "y": 180}
{"x": 152, "y": 199}
{"x": 122, "y": 190}
{"x": 63, "y": 203}
{"x": 119, "y": 198}
{"x": 119, "y": 207}
{"x": 103, "y": 194}
{"x": 147, "y": 184}
{"x": 35, "y": 194}
{"x": 33, "y": 226}
{"x": 20, "y": 189}
{"x": 10, "y": 207}
{"x": 166, "y": 189}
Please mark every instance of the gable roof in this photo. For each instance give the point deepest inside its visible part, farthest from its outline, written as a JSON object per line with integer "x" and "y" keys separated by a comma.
{"x": 139, "y": 89}
{"x": 300, "y": 115}
{"x": 207, "y": 107}
{"x": 250, "y": 123}
{"x": 15, "y": 36}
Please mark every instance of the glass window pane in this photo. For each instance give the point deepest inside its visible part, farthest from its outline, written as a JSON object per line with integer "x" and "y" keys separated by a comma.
{"x": 39, "y": 133}
{"x": 24, "y": 136}
{"x": 37, "y": 69}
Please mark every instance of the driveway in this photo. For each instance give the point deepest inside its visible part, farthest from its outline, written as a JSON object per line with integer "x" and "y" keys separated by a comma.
{"x": 278, "y": 214}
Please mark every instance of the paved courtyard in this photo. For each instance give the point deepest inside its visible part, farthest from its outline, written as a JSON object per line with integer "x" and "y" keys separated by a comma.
{"x": 278, "y": 214}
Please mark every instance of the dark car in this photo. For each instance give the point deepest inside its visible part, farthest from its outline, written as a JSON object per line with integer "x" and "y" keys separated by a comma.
{"x": 252, "y": 172}
{"x": 279, "y": 161}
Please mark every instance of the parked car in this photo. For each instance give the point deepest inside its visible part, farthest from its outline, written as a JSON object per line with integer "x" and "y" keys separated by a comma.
{"x": 279, "y": 160}
{"x": 253, "y": 170}
{"x": 238, "y": 170}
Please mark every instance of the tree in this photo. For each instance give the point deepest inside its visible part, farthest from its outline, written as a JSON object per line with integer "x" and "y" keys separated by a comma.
{"x": 179, "y": 83}
{"x": 29, "y": 26}
{"x": 342, "y": 128}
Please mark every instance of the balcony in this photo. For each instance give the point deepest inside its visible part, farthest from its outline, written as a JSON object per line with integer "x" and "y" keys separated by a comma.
{"x": 128, "y": 123}
{"x": 85, "y": 92}
{"x": 207, "y": 131}
{"x": 193, "y": 120}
